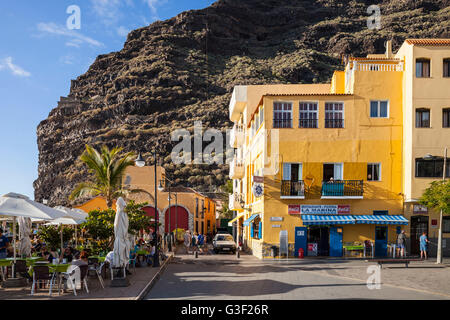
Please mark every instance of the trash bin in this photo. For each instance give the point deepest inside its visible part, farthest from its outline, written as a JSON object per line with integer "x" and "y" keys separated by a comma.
{"x": 274, "y": 251}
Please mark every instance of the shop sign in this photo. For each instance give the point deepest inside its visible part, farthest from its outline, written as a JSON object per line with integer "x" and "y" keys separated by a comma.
{"x": 324, "y": 209}
{"x": 434, "y": 223}
{"x": 312, "y": 249}
{"x": 294, "y": 209}
{"x": 258, "y": 189}
{"x": 276, "y": 218}
{"x": 420, "y": 209}
{"x": 276, "y": 226}
{"x": 257, "y": 179}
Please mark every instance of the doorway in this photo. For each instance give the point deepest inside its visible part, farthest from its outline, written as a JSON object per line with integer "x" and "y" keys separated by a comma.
{"x": 336, "y": 242}
{"x": 419, "y": 224}
{"x": 381, "y": 239}
{"x": 321, "y": 236}
{"x": 332, "y": 170}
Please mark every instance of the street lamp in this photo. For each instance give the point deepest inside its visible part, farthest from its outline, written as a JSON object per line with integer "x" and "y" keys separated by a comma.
{"x": 169, "y": 198}
{"x": 140, "y": 162}
{"x": 444, "y": 169}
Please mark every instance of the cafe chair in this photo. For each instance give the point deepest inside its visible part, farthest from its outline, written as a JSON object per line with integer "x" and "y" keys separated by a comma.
{"x": 42, "y": 274}
{"x": 83, "y": 276}
{"x": 93, "y": 266}
{"x": 69, "y": 277}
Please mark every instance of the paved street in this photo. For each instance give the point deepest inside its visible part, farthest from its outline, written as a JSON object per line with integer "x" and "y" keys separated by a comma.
{"x": 225, "y": 277}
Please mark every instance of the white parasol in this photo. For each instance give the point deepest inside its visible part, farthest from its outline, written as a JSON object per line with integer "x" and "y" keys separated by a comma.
{"x": 121, "y": 242}
{"x": 17, "y": 205}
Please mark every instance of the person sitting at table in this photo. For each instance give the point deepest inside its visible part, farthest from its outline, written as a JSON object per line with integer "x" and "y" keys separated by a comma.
{"x": 67, "y": 254}
{"x": 82, "y": 259}
{"x": 4, "y": 243}
{"x": 47, "y": 255}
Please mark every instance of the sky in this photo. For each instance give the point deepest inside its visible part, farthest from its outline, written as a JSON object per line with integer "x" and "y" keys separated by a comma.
{"x": 43, "y": 45}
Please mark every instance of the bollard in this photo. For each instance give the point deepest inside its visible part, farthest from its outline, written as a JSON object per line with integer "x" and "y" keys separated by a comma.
{"x": 196, "y": 254}
{"x": 238, "y": 254}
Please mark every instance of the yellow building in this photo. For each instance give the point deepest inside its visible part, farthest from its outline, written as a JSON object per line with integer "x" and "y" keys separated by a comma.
{"x": 321, "y": 167}
{"x": 189, "y": 209}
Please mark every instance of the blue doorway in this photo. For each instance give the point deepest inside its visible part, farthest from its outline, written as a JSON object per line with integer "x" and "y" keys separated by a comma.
{"x": 381, "y": 239}
{"x": 336, "y": 242}
{"x": 300, "y": 240}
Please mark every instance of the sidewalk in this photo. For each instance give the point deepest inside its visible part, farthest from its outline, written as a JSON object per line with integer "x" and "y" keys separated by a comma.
{"x": 139, "y": 280}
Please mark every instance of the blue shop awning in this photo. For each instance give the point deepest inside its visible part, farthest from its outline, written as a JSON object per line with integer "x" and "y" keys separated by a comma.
{"x": 381, "y": 219}
{"x": 247, "y": 222}
{"x": 311, "y": 220}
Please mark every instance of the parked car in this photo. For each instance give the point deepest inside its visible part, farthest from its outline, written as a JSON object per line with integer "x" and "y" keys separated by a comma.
{"x": 224, "y": 242}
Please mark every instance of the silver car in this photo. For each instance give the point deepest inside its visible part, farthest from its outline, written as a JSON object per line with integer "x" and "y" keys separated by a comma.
{"x": 224, "y": 242}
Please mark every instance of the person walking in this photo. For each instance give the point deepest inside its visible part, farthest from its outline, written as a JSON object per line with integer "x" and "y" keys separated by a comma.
{"x": 201, "y": 240}
{"x": 423, "y": 240}
{"x": 4, "y": 243}
{"x": 401, "y": 243}
{"x": 194, "y": 242}
{"x": 187, "y": 241}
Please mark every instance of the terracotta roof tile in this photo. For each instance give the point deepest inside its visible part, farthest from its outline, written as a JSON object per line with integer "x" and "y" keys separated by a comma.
{"x": 429, "y": 42}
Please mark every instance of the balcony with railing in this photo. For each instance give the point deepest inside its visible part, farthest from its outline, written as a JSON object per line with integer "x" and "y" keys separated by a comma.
{"x": 236, "y": 201}
{"x": 237, "y": 136}
{"x": 342, "y": 189}
{"x": 292, "y": 189}
{"x": 236, "y": 168}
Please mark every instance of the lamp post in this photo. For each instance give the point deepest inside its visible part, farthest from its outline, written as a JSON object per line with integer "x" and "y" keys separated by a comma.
{"x": 170, "y": 212}
{"x": 140, "y": 162}
{"x": 444, "y": 169}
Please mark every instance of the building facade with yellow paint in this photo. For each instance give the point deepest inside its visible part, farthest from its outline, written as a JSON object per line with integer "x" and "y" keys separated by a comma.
{"x": 321, "y": 167}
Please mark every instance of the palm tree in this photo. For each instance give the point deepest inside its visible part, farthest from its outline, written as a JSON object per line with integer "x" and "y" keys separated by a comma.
{"x": 108, "y": 168}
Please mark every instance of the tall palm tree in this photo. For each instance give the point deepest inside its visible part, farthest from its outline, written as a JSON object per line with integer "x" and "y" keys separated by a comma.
{"x": 108, "y": 168}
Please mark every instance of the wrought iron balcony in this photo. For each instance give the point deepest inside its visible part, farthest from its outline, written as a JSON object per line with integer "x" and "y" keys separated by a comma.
{"x": 347, "y": 189}
{"x": 237, "y": 169}
{"x": 292, "y": 189}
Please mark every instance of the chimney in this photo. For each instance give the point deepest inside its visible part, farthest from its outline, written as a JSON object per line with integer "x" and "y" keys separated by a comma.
{"x": 388, "y": 46}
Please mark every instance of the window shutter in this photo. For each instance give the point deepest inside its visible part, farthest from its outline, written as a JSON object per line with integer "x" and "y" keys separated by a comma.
{"x": 260, "y": 229}
{"x": 300, "y": 171}
{"x": 287, "y": 171}
{"x": 338, "y": 171}
{"x": 251, "y": 230}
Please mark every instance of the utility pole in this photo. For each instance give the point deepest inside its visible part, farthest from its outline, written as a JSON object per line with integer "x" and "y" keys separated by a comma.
{"x": 439, "y": 249}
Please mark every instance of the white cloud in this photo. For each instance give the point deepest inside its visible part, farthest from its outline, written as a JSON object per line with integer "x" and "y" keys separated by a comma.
{"x": 110, "y": 11}
{"x": 7, "y": 63}
{"x": 77, "y": 39}
{"x": 122, "y": 31}
{"x": 153, "y": 4}
{"x": 68, "y": 59}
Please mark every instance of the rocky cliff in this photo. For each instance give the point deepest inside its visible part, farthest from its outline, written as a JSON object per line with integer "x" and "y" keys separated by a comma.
{"x": 181, "y": 70}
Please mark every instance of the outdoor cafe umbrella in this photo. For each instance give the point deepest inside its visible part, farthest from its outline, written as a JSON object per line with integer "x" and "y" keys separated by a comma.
{"x": 17, "y": 205}
{"x": 121, "y": 242}
{"x": 60, "y": 222}
{"x": 24, "y": 236}
{"x": 76, "y": 214}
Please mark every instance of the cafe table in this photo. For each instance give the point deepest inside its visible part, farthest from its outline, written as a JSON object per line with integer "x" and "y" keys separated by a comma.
{"x": 100, "y": 259}
{"x": 353, "y": 248}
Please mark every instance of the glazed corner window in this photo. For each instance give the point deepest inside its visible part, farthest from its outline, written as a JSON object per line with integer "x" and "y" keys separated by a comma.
{"x": 422, "y": 118}
{"x": 282, "y": 115}
{"x": 431, "y": 168}
{"x": 446, "y": 64}
{"x": 373, "y": 172}
{"x": 422, "y": 68}
{"x": 446, "y": 118}
{"x": 379, "y": 109}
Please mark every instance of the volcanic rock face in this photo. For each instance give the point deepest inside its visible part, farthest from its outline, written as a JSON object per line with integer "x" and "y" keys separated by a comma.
{"x": 182, "y": 70}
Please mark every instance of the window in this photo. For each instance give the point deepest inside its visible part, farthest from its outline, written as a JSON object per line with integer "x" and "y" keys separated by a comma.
{"x": 446, "y": 118}
{"x": 380, "y": 212}
{"x": 203, "y": 211}
{"x": 196, "y": 207}
{"x": 422, "y": 68}
{"x": 333, "y": 170}
{"x": 422, "y": 118}
{"x": 431, "y": 168}
{"x": 282, "y": 115}
{"x": 379, "y": 109}
{"x": 308, "y": 115}
{"x": 261, "y": 115}
{"x": 334, "y": 115}
{"x": 446, "y": 73}
{"x": 292, "y": 171}
{"x": 373, "y": 172}
{"x": 446, "y": 224}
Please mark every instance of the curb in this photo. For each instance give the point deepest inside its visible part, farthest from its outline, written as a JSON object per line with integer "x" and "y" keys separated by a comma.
{"x": 155, "y": 279}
